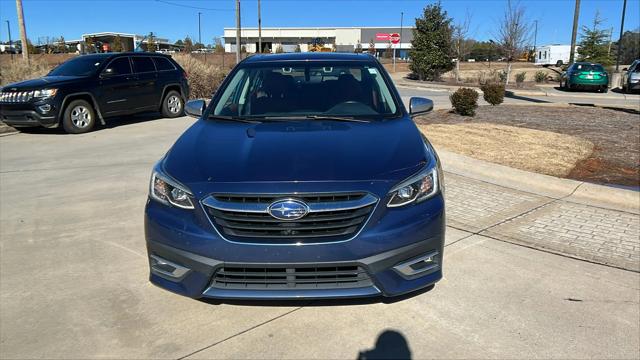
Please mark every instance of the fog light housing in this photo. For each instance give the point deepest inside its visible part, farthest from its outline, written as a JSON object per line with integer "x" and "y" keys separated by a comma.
{"x": 419, "y": 266}
{"x": 166, "y": 268}
{"x": 44, "y": 108}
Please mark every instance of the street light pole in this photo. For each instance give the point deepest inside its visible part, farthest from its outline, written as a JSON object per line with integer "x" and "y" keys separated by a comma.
{"x": 624, "y": 8}
{"x": 535, "y": 41}
{"x": 10, "y": 42}
{"x": 237, "y": 31}
{"x": 259, "y": 29}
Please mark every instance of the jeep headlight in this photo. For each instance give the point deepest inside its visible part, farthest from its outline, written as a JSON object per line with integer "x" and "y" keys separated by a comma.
{"x": 417, "y": 188}
{"x": 168, "y": 191}
{"x": 45, "y": 93}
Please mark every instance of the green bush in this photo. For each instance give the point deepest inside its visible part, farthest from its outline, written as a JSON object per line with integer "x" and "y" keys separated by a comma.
{"x": 493, "y": 93}
{"x": 540, "y": 76}
{"x": 464, "y": 101}
{"x": 520, "y": 78}
{"x": 502, "y": 76}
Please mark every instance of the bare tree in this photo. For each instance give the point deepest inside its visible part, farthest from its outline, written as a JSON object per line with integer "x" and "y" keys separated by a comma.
{"x": 514, "y": 31}
{"x": 461, "y": 44}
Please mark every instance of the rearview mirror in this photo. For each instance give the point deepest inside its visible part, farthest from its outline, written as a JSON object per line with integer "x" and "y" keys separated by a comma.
{"x": 418, "y": 105}
{"x": 194, "y": 108}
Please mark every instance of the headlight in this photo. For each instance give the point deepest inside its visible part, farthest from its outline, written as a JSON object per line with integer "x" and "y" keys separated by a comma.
{"x": 169, "y": 192}
{"x": 415, "y": 189}
{"x": 46, "y": 93}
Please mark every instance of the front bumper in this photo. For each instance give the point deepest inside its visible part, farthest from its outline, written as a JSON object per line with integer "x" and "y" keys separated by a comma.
{"x": 391, "y": 241}
{"x": 28, "y": 114}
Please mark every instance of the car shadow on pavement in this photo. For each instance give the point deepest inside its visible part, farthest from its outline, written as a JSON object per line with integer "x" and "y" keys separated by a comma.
{"x": 390, "y": 344}
{"x": 319, "y": 302}
{"x": 511, "y": 95}
{"x": 129, "y": 120}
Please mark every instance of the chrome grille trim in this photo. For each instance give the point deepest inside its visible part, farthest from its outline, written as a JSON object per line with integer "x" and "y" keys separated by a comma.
{"x": 262, "y": 207}
{"x": 325, "y": 233}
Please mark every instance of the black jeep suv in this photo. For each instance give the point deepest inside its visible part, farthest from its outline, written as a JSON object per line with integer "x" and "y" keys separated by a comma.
{"x": 91, "y": 88}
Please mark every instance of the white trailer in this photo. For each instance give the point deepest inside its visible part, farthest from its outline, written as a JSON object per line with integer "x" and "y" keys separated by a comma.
{"x": 556, "y": 55}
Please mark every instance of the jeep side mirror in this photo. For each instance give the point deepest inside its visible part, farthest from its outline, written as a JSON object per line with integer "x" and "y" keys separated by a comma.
{"x": 625, "y": 69}
{"x": 194, "y": 108}
{"x": 419, "y": 105}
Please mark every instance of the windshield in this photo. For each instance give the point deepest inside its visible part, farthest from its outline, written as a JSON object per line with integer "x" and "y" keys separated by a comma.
{"x": 306, "y": 90}
{"x": 79, "y": 66}
{"x": 589, "y": 67}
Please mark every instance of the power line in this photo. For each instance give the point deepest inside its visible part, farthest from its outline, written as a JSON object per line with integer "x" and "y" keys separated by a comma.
{"x": 191, "y": 7}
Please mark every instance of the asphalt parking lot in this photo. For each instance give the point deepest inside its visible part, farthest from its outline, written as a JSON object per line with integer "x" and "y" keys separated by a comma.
{"x": 73, "y": 277}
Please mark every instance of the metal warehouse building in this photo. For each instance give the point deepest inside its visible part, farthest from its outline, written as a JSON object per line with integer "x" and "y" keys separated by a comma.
{"x": 342, "y": 39}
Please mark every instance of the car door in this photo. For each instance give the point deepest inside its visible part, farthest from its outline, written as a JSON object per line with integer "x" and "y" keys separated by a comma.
{"x": 117, "y": 86}
{"x": 146, "y": 79}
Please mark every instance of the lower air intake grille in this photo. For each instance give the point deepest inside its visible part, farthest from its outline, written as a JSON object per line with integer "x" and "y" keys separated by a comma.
{"x": 289, "y": 278}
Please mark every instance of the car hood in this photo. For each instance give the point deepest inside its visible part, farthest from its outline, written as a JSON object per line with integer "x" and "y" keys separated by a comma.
{"x": 40, "y": 83}
{"x": 311, "y": 150}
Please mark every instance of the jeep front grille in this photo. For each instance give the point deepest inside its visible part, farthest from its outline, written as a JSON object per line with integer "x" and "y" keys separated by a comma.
{"x": 332, "y": 217}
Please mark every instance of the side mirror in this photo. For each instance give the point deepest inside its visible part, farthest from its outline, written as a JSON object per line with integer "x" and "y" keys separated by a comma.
{"x": 194, "y": 108}
{"x": 418, "y": 105}
{"x": 625, "y": 69}
{"x": 107, "y": 73}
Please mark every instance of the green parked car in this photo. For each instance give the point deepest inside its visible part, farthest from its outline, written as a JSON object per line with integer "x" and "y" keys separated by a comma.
{"x": 585, "y": 75}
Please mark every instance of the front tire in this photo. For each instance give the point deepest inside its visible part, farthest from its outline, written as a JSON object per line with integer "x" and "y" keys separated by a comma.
{"x": 79, "y": 117}
{"x": 172, "y": 104}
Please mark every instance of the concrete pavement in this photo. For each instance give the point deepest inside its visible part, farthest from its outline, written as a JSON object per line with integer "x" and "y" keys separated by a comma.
{"x": 73, "y": 272}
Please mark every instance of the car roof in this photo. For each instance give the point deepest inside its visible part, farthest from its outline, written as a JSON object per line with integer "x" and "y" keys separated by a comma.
{"x": 114, "y": 54}
{"x": 309, "y": 56}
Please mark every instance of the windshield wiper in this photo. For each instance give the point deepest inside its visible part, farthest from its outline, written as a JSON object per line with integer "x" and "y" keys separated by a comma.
{"x": 338, "y": 118}
{"x": 233, "y": 118}
{"x": 309, "y": 117}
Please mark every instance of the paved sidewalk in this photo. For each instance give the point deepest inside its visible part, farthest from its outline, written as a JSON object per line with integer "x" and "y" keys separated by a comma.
{"x": 586, "y": 232}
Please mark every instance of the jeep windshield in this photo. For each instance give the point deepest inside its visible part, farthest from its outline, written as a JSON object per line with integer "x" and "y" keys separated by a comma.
{"x": 345, "y": 91}
{"x": 80, "y": 66}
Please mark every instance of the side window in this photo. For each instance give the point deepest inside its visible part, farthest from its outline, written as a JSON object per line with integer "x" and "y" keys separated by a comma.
{"x": 143, "y": 64}
{"x": 163, "y": 64}
{"x": 119, "y": 66}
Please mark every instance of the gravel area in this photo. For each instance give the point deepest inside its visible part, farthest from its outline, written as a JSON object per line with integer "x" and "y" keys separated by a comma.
{"x": 615, "y": 134}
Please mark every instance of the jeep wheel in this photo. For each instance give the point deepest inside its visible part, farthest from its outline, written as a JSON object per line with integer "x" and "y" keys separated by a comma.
{"x": 172, "y": 105}
{"x": 78, "y": 117}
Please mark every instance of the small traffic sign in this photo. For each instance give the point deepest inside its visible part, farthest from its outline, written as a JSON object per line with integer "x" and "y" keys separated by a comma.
{"x": 395, "y": 38}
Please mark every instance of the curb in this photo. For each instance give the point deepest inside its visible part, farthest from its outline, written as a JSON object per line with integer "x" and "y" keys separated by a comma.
{"x": 557, "y": 188}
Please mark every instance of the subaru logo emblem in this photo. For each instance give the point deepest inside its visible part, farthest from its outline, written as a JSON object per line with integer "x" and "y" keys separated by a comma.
{"x": 288, "y": 209}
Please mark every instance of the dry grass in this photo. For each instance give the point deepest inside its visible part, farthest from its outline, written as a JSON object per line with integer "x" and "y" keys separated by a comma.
{"x": 538, "y": 151}
{"x": 18, "y": 70}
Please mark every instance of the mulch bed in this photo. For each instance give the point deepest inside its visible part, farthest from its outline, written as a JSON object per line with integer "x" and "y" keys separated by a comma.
{"x": 614, "y": 132}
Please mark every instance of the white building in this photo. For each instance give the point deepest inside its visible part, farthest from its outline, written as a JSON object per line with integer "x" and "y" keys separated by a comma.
{"x": 341, "y": 39}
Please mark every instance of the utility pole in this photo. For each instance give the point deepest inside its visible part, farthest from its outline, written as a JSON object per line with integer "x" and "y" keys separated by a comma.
{"x": 238, "y": 31}
{"x": 610, "y": 36}
{"x": 576, "y": 14}
{"x": 199, "y": 33}
{"x": 624, "y": 8}
{"x": 535, "y": 41}
{"x": 23, "y": 31}
{"x": 259, "y": 29}
{"x": 399, "y": 42}
{"x": 401, "y": 18}
{"x": 10, "y": 43}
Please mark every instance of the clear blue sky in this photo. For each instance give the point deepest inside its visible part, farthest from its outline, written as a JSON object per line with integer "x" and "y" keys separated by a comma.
{"x": 71, "y": 18}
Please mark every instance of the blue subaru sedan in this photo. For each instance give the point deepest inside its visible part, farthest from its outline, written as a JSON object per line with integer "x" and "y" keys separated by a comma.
{"x": 303, "y": 178}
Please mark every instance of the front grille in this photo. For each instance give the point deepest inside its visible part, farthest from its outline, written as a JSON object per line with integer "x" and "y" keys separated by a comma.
{"x": 16, "y": 97}
{"x": 332, "y": 217}
{"x": 290, "y": 278}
